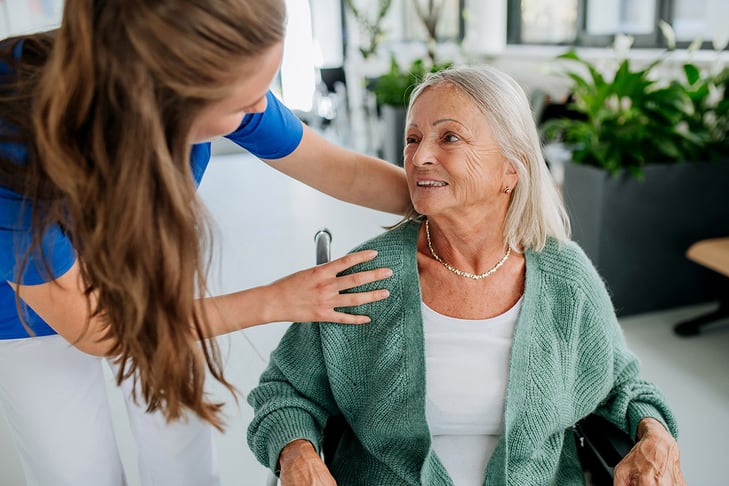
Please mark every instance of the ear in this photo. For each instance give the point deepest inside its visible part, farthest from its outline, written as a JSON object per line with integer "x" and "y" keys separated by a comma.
{"x": 511, "y": 176}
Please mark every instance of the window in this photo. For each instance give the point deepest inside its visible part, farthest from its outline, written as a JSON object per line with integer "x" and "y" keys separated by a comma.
{"x": 547, "y": 22}
{"x": 402, "y": 23}
{"x": 449, "y": 21}
{"x": 708, "y": 19}
{"x": 595, "y": 22}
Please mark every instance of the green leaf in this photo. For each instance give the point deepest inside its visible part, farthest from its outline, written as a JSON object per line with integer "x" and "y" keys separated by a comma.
{"x": 692, "y": 73}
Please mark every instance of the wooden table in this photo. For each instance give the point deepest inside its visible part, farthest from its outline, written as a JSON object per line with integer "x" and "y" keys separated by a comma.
{"x": 714, "y": 254}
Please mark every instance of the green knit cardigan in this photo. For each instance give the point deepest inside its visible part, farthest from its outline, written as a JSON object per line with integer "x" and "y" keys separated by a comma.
{"x": 569, "y": 359}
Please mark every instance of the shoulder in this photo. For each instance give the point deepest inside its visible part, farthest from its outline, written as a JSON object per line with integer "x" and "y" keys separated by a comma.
{"x": 11, "y": 50}
{"x": 564, "y": 267}
{"x": 565, "y": 259}
{"x": 390, "y": 246}
{"x": 272, "y": 134}
{"x": 391, "y": 239}
{"x": 199, "y": 160}
{"x": 396, "y": 251}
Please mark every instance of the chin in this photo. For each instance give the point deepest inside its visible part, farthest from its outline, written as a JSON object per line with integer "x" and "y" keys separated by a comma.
{"x": 423, "y": 208}
{"x": 424, "y": 211}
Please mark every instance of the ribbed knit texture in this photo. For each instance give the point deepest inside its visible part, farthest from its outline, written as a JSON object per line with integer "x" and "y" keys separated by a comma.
{"x": 569, "y": 359}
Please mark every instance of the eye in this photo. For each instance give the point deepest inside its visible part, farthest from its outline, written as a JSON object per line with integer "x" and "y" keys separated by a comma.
{"x": 451, "y": 138}
{"x": 411, "y": 139}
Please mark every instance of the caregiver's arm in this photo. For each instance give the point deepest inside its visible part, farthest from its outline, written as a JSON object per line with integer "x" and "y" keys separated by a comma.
{"x": 346, "y": 175}
{"x": 308, "y": 295}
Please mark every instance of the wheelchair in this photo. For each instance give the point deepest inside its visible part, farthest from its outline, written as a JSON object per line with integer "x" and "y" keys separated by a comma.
{"x": 600, "y": 444}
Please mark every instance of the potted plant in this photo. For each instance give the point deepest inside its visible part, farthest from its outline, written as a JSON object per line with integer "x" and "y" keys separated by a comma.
{"x": 648, "y": 176}
{"x": 372, "y": 28}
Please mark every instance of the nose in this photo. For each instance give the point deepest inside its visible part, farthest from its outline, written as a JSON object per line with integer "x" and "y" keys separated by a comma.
{"x": 423, "y": 153}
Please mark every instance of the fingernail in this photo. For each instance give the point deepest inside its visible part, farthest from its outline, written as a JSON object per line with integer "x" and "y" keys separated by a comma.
{"x": 388, "y": 272}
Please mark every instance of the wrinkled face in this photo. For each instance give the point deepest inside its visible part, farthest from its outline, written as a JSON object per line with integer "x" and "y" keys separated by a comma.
{"x": 453, "y": 163}
{"x": 248, "y": 95}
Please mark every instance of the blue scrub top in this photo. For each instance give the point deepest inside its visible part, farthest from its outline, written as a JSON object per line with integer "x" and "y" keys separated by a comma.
{"x": 272, "y": 134}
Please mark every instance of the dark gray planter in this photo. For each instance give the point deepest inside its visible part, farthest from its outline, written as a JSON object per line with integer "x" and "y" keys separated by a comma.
{"x": 393, "y": 143}
{"x": 637, "y": 232}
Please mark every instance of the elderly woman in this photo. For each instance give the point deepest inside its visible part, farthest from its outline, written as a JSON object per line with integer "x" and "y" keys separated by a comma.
{"x": 497, "y": 337}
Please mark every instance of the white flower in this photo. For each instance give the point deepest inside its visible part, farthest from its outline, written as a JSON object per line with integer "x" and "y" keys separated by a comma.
{"x": 626, "y": 103}
{"x": 695, "y": 44}
{"x": 612, "y": 103}
{"x": 622, "y": 45}
{"x": 720, "y": 40}
{"x": 668, "y": 34}
{"x": 716, "y": 94}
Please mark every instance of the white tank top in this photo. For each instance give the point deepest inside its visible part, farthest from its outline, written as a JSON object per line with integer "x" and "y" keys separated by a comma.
{"x": 467, "y": 368}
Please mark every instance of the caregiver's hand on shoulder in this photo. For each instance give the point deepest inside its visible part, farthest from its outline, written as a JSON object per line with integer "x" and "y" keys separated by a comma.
{"x": 312, "y": 295}
{"x": 654, "y": 460}
{"x": 302, "y": 466}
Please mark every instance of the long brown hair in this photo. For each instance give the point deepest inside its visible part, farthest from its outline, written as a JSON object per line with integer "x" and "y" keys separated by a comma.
{"x": 113, "y": 95}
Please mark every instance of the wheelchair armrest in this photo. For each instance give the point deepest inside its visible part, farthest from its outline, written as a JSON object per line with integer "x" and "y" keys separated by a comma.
{"x": 602, "y": 445}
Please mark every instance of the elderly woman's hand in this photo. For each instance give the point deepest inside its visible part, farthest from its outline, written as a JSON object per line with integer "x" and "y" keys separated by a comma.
{"x": 302, "y": 466}
{"x": 654, "y": 460}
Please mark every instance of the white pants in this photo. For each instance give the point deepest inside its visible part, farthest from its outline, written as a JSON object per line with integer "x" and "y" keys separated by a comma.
{"x": 55, "y": 401}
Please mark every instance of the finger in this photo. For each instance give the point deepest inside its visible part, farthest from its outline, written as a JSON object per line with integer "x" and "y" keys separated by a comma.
{"x": 353, "y": 300}
{"x": 360, "y": 278}
{"x": 621, "y": 476}
{"x": 359, "y": 298}
{"x": 347, "y": 261}
{"x": 344, "y": 318}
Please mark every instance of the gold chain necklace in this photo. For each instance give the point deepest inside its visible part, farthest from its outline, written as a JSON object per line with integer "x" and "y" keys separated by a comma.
{"x": 461, "y": 272}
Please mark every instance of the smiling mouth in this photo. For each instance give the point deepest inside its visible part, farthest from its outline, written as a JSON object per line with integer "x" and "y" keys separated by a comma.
{"x": 431, "y": 184}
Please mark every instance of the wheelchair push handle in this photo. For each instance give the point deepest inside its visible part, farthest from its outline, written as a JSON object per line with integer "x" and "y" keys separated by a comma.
{"x": 322, "y": 241}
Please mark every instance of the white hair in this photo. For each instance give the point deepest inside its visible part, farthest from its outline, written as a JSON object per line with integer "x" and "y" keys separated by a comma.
{"x": 536, "y": 211}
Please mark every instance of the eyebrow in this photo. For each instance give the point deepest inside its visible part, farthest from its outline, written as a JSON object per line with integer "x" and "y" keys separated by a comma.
{"x": 440, "y": 121}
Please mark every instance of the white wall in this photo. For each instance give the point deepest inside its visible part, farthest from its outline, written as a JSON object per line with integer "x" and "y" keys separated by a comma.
{"x": 23, "y": 16}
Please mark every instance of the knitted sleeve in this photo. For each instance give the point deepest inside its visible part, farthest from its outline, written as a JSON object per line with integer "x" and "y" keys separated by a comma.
{"x": 631, "y": 398}
{"x": 293, "y": 399}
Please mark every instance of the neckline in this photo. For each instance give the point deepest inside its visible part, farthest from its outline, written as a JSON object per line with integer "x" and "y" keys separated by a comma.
{"x": 506, "y": 314}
